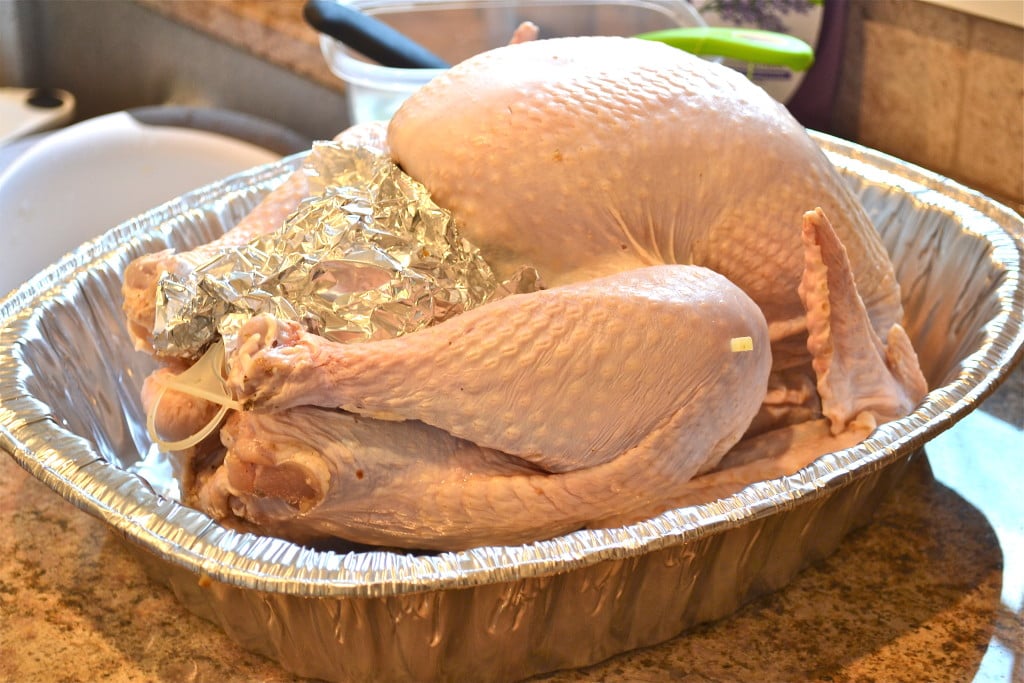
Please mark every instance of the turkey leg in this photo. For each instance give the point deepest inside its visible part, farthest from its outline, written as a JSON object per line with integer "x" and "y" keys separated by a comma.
{"x": 565, "y": 378}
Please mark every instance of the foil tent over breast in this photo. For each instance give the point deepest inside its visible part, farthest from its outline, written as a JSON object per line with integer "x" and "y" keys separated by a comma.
{"x": 368, "y": 255}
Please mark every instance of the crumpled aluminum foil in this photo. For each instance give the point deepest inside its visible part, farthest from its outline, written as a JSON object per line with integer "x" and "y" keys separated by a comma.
{"x": 367, "y": 256}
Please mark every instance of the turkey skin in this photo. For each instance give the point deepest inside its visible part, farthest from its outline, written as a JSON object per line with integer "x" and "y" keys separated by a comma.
{"x": 583, "y": 156}
{"x": 695, "y": 297}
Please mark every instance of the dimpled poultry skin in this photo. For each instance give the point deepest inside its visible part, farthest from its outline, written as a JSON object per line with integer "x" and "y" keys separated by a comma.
{"x": 584, "y": 156}
{"x": 668, "y": 203}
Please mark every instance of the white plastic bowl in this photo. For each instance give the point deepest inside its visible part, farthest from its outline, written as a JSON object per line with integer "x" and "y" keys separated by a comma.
{"x": 78, "y": 181}
{"x": 457, "y": 30}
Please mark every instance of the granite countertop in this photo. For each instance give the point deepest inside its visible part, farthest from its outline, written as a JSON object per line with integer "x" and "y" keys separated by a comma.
{"x": 931, "y": 589}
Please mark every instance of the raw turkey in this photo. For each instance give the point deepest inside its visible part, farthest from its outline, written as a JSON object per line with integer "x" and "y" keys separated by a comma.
{"x": 703, "y": 328}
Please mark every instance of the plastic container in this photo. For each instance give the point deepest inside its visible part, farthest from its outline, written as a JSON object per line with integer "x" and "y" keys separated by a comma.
{"x": 457, "y": 30}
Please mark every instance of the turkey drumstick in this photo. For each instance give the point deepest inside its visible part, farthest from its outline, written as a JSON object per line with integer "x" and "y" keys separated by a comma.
{"x": 564, "y": 378}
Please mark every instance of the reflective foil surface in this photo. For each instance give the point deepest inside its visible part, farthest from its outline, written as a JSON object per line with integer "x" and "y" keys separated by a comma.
{"x": 367, "y": 256}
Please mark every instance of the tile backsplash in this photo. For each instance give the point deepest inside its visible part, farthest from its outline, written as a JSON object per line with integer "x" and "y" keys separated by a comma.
{"x": 938, "y": 88}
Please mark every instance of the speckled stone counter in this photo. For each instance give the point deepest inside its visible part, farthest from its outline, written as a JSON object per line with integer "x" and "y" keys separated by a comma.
{"x": 931, "y": 590}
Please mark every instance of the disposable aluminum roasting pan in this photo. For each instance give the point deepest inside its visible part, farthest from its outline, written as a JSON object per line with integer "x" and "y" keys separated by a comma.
{"x": 70, "y": 414}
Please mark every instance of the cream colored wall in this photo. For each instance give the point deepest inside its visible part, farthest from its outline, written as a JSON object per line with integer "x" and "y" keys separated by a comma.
{"x": 939, "y": 88}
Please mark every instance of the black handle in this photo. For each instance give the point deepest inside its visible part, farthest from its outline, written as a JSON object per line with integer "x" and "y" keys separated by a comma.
{"x": 369, "y": 36}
